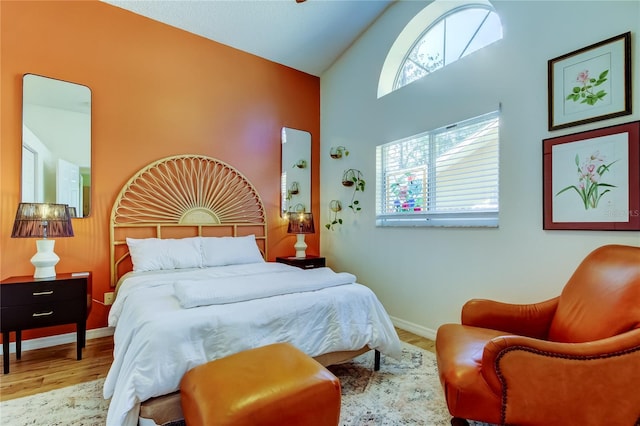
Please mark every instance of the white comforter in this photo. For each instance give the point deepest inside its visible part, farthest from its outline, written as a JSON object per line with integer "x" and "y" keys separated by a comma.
{"x": 157, "y": 341}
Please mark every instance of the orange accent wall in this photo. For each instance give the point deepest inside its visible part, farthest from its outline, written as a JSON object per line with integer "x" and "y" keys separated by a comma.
{"x": 156, "y": 91}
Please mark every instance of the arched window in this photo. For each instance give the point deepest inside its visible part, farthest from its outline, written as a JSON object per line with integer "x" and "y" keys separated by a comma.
{"x": 440, "y": 34}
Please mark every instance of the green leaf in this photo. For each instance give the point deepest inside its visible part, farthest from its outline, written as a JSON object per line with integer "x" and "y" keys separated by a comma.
{"x": 605, "y": 167}
{"x": 566, "y": 189}
{"x": 603, "y": 74}
{"x": 604, "y": 192}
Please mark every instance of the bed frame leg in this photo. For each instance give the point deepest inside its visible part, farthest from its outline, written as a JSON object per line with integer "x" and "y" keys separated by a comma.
{"x": 376, "y": 362}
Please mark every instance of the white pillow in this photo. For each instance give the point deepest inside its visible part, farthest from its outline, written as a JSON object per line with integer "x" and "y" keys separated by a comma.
{"x": 153, "y": 254}
{"x": 220, "y": 251}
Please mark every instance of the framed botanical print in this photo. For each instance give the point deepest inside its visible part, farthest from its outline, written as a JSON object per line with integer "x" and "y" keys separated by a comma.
{"x": 590, "y": 84}
{"x": 591, "y": 180}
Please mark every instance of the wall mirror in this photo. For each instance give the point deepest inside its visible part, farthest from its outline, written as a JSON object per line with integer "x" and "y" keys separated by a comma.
{"x": 56, "y": 143}
{"x": 295, "y": 181}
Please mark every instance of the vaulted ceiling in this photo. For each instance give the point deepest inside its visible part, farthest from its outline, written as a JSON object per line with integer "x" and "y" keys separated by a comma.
{"x": 308, "y": 36}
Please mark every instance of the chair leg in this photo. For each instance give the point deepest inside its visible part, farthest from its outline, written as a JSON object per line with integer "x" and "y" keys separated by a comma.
{"x": 457, "y": 421}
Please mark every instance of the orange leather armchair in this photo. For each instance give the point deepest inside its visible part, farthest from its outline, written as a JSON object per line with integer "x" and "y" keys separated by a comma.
{"x": 571, "y": 360}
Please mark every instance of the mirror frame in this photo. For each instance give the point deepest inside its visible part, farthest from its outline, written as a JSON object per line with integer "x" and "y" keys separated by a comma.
{"x": 56, "y": 114}
{"x": 295, "y": 178}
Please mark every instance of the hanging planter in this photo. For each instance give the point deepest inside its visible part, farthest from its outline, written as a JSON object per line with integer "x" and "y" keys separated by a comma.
{"x": 297, "y": 209}
{"x": 349, "y": 177}
{"x": 294, "y": 189}
{"x": 338, "y": 151}
{"x": 335, "y": 206}
{"x": 354, "y": 178}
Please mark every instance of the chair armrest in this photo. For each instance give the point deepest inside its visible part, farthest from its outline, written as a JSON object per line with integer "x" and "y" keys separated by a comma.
{"x": 532, "y": 320}
{"x": 565, "y": 378}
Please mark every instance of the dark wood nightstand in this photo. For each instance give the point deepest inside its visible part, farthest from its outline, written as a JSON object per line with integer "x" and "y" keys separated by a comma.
{"x": 27, "y": 302}
{"x": 308, "y": 262}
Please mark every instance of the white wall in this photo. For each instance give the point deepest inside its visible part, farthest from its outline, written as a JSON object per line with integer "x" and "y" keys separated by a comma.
{"x": 424, "y": 275}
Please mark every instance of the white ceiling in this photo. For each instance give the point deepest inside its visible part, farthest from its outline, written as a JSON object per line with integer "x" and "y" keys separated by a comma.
{"x": 307, "y": 36}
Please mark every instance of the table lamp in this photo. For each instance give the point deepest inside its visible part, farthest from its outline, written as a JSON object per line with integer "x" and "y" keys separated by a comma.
{"x": 300, "y": 224}
{"x": 42, "y": 220}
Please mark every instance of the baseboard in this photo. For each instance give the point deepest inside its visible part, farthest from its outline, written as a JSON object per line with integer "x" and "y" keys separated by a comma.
{"x": 414, "y": 328}
{"x": 59, "y": 339}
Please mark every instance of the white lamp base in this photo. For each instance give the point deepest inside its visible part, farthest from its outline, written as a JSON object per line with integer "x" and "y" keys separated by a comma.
{"x": 45, "y": 259}
{"x": 300, "y": 246}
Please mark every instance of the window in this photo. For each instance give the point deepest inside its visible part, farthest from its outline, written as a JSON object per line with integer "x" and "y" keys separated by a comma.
{"x": 439, "y": 35}
{"x": 454, "y": 35}
{"x": 444, "y": 177}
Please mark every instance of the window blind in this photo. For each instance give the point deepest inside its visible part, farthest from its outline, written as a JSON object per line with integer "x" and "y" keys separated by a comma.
{"x": 444, "y": 177}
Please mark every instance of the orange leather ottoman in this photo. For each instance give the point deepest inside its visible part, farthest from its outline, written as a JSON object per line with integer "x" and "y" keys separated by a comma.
{"x": 272, "y": 385}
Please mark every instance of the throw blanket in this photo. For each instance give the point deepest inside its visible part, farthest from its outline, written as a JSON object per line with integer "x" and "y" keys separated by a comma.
{"x": 193, "y": 293}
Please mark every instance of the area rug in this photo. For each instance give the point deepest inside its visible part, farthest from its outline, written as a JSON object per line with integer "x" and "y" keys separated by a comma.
{"x": 402, "y": 392}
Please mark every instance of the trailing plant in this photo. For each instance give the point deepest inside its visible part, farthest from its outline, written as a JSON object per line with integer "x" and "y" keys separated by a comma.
{"x": 354, "y": 178}
{"x": 335, "y": 206}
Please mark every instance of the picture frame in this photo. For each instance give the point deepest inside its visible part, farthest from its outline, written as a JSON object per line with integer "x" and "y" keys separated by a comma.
{"x": 590, "y": 84}
{"x": 591, "y": 179}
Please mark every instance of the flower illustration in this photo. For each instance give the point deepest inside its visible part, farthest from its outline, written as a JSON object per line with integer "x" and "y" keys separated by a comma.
{"x": 589, "y": 180}
{"x": 583, "y": 76}
{"x": 584, "y": 91}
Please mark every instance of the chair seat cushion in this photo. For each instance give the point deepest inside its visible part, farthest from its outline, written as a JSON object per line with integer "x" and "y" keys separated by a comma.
{"x": 459, "y": 351}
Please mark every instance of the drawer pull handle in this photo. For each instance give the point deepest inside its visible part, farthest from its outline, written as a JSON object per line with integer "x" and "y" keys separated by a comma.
{"x": 43, "y": 293}
{"x": 42, "y": 314}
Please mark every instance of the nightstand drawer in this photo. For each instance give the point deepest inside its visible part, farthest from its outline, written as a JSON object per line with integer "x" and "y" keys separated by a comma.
{"x": 41, "y": 292}
{"x": 41, "y": 315}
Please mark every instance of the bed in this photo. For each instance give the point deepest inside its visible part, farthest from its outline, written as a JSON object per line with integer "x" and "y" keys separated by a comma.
{"x": 188, "y": 249}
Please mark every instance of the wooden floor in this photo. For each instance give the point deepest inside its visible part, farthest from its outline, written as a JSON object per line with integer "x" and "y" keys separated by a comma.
{"x": 41, "y": 370}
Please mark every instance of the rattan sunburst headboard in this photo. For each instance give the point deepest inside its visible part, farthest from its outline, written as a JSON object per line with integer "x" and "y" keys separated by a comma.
{"x": 181, "y": 196}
